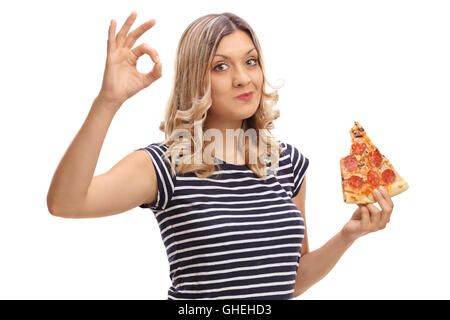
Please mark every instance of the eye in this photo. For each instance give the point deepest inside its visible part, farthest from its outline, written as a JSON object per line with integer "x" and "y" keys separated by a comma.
{"x": 255, "y": 63}
{"x": 218, "y": 65}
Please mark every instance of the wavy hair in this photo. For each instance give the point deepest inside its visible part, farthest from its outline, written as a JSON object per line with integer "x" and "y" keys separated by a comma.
{"x": 190, "y": 99}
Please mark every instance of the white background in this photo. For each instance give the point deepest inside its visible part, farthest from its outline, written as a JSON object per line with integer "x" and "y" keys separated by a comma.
{"x": 383, "y": 63}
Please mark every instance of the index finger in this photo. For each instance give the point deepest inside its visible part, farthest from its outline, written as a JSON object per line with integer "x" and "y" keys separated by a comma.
{"x": 125, "y": 28}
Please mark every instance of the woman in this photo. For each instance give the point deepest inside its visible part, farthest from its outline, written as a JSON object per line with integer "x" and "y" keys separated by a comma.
{"x": 232, "y": 229}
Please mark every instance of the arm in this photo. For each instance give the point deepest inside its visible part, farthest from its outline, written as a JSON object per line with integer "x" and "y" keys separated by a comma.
{"x": 317, "y": 264}
{"x": 74, "y": 173}
{"x": 73, "y": 191}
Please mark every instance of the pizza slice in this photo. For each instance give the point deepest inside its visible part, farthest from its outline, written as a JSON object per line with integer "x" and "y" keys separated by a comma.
{"x": 365, "y": 169}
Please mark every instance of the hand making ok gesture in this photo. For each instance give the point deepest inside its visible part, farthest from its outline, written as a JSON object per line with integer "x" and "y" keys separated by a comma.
{"x": 121, "y": 80}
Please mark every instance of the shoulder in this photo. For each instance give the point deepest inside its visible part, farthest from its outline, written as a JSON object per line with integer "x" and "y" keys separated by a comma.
{"x": 298, "y": 165}
{"x": 166, "y": 179}
{"x": 291, "y": 150}
{"x": 158, "y": 148}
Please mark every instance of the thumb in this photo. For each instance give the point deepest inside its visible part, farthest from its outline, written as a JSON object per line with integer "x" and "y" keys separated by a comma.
{"x": 357, "y": 214}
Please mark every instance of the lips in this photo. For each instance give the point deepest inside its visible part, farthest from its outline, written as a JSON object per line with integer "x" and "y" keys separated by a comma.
{"x": 245, "y": 95}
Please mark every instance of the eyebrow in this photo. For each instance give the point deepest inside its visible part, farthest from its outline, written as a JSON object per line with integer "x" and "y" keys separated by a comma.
{"x": 221, "y": 55}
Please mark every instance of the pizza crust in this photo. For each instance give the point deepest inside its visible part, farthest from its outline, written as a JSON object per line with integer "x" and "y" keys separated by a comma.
{"x": 394, "y": 189}
{"x": 358, "y": 198}
{"x": 397, "y": 187}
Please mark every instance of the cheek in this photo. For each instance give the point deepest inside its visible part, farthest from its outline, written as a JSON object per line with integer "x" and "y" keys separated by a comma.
{"x": 218, "y": 87}
{"x": 258, "y": 79}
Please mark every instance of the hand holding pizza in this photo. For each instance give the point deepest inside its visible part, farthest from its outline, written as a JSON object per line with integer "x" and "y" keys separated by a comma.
{"x": 368, "y": 218}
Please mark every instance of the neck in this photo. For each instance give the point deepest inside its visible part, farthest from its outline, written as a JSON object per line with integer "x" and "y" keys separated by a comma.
{"x": 230, "y": 153}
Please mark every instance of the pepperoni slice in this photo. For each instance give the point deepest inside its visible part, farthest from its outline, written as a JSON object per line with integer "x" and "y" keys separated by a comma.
{"x": 373, "y": 178}
{"x": 350, "y": 162}
{"x": 388, "y": 176}
{"x": 375, "y": 158}
{"x": 358, "y": 148}
{"x": 355, "y": 181}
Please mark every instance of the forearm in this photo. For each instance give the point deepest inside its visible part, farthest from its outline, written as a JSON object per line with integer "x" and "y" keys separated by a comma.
{"x": 316, "y": 264}
{"x": 75, "y": 171}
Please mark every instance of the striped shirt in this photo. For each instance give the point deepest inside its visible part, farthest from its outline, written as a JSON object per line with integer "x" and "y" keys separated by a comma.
{"x": 232, "y": 235}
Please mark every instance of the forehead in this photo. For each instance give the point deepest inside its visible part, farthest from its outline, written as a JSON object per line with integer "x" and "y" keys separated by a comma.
{"x": 235, "y": 44}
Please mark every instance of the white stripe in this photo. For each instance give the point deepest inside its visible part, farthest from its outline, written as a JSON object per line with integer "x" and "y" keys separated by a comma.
{"x": 222, "y": 180}
{"x": 295, "y": 167}
{"x": 264, "y": 275}
{"x": 288, "y": 184}
{"x": 222, "y": 253}
{"x": 261, "y": 266}
{"x": 227, "y": 188}
{"x": 291, "y": 205}
{"x": 192, "y": 204}
{"x": 220, "y": 244}
{"x": 258, "y": 285}
{"x": 229, "y": 225}
{"x": 168, "y": 174}
{"x": 242, "y": 296}
{"x": 293, "y": 209}
{"x": 245, "y": 170}
{"x": 156, "y": 166}
{"x": 217, "y": 235}
{"x": 234, "y": 260}
{"x": 298, "y": 176}
{"x": 223, "y": 195}
{"x": 285, "y": 167}
{"x": 286, "y": 176}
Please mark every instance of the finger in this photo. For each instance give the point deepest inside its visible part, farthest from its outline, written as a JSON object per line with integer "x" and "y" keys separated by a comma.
{"x": 375, "y": 216}
{"x": 365, "y": 218}
{"x": 125, "y": 28}
{"x": 146, "y": 49}
{"x": 153, "y": 75}
{"x": 156, "y": 72}
{"x": 357, "y": 214}
{"x": 111, "y": 36}
{"x": 136, "y": 33}
{"x": 387, "y": 206}
{"x": 387, "y": 197}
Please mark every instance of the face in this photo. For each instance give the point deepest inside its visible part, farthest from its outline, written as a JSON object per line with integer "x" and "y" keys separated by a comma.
{"x": 235, "y": 70}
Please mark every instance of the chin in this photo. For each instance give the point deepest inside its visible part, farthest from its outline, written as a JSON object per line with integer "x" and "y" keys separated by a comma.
{"x": 249, "y": 109}
{"x": 244, "y": 114}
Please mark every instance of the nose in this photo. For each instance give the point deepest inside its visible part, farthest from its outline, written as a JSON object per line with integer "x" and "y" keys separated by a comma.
{"x": 240, "y": 78}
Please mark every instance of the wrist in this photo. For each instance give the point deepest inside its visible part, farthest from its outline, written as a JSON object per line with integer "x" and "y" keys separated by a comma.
{"x": 347, "y": 237}
{"x": 108, "y": 105}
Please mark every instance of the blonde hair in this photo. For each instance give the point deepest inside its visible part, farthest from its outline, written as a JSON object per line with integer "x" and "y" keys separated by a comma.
{"x": 190, "y": 98}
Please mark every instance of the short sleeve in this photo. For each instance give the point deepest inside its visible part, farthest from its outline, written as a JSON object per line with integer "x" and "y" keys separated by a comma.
{"x": 299, "y": 166}
{"x": 166, "y": 182}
